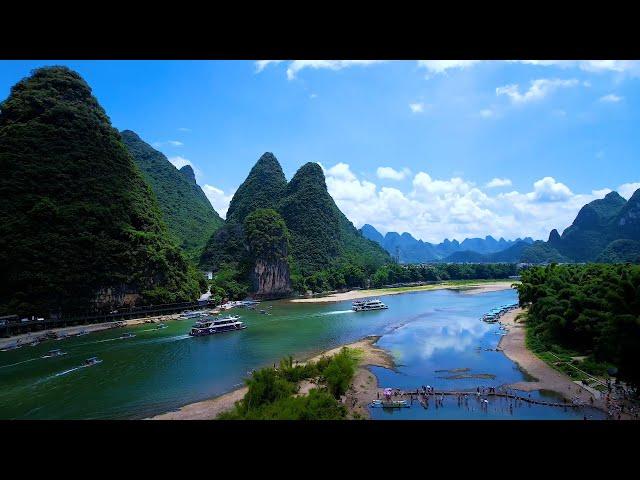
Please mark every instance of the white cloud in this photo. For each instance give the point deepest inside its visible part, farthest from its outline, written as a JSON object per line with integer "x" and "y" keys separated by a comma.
{"x": 218, "y": 199}
{"x": 417, "y": 107}
{"x": 172, "y": 143}
{"x": 498, "y": 182}
{"x": 538, "y": 89}
{"x": 434, "y": 209}
{"x": 548, "y": 190}
{"x": 628, "y": 189}
{"x": 262, "y": 64}
{"x": 298, "y": 65}
{"x": 392, "y": 174}
{"x": 180, "y": 162}
{"x": 441, "y": 66}
{"x": 610, "y": 98}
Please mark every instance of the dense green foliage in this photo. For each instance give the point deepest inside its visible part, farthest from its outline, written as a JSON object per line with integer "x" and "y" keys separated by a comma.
{"x": 621, "y": 251}
{"x": 76, "y": 215}
{"x": 328, "y": 251}
{"x": 272, "y": 392}
{"x": 394, "y": 273}
{"x": 263, "y": 188}
{"x": 185, "y": 208}
{"x": 325, "y": 250}
{"x": 593, "y": 309}
{"x": 598, "y": 228}
{"x": 266, "y": 234}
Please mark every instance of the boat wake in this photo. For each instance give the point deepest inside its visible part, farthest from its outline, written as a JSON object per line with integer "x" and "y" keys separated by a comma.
{"x": 68, "y": 371}
{"x": 19, "y": 363}
{"x": 336, "y": 312}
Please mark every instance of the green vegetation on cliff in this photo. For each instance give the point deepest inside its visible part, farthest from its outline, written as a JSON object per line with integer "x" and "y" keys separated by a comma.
{"x": 266, "y": 234}
{"x": 592, "y": 309}
{"x": 185, "y": 208}
{"x": 76, "y": 216}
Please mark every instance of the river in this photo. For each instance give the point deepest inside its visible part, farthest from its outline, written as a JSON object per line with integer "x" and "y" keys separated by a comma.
{"x": 160, "y": 370}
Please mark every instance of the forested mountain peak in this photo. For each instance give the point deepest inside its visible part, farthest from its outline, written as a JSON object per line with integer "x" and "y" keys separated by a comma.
{"x": 263, "y": 188}
{"x": 599, "y": 212}
{"x": 188, "y": 172}
{"x": 80, "y": 228}
{"x": 185, "y": 208}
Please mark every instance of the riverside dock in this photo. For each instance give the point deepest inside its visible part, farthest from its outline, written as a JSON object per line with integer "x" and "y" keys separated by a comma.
{"x": 421, "y": 396}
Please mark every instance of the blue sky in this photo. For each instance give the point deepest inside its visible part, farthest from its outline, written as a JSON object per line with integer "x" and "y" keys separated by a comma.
{"x": 436, "y": 148}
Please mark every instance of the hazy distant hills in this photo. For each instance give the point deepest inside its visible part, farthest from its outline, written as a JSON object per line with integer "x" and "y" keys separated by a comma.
{"x": 410, "y": 250}
{"x": 605, "y": 230}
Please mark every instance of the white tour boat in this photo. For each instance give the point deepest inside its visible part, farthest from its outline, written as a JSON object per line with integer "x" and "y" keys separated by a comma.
{"x": 365, "y": 305}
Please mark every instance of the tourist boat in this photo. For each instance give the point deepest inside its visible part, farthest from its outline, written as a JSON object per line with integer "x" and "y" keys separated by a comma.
{"x": 127, "y": 335}
{"x": 160, "y": 326}
{"x": 362, "y": 306}
{"x": 90, "y": 362}
{"x": 217, "y": 325}
{"x": 54, "y": 353}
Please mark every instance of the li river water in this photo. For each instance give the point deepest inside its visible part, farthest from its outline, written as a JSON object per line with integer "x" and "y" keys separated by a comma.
{"x": 161, "y": 370}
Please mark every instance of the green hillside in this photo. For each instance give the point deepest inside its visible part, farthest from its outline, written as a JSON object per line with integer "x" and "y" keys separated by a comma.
{"x": 79, "y": 227}
{"x": 185, "y": 208}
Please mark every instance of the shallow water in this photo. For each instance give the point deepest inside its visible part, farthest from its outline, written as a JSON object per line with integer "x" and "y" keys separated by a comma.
{"x": 161, "y": 370}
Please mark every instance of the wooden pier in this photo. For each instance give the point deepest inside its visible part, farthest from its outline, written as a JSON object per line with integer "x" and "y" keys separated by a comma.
{"x": 472, "y": 394}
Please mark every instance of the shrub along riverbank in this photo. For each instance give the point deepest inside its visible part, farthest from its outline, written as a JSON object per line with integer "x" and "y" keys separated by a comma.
{"x": 273, "y": 393}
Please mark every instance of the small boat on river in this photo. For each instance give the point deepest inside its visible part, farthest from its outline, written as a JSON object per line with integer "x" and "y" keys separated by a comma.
{"x": 54, "y": 353}
{"x": 217, "y": 325}
{"x": 90, "y": 362}
{"x": 366, "y": 305}
{"x": 127, "y": 335}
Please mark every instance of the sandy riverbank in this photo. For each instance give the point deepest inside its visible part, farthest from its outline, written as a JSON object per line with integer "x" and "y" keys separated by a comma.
{"x": 362, "y": 389}
{"x": 546, "y": 378}
{"x": 26, "y": 338}
{"x": 472, "y": 288}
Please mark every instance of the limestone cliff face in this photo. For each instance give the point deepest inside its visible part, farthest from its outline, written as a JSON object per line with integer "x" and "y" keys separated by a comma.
{"x": 109, "y": 298}
{"x": 271, "y": 278}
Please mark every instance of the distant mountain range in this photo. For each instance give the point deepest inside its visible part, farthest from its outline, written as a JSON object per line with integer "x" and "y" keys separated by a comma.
{"x": 606, "y": 230}
{"x": 410, "y": 250}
